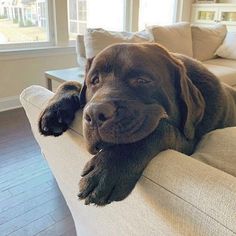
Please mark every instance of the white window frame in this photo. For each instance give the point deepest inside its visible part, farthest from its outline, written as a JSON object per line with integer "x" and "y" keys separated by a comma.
{"x": 131, "y": 15}
{"x": 33, "y": 45}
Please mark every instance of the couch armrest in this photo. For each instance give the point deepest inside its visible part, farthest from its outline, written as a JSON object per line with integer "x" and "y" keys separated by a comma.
{"x": 39, "y": 96}
{"x": 208, "y": 189}
{"x": 175, "y": 194}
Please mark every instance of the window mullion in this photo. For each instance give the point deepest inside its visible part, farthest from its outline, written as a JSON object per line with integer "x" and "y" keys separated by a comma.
{"x": 61, "y": 23}
{"x": 131, "y": 15}
{"x": 50, "y": 22}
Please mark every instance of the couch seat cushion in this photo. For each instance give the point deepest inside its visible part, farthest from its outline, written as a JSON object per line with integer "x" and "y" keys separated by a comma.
{"x": 222, "y": 62}
{"x": 225, "y": 74}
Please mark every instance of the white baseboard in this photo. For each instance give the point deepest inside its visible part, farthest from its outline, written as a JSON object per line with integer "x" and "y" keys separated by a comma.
{"x": 9, "y": 103}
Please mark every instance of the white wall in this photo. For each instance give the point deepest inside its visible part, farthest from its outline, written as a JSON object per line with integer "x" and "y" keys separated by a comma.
{"x": 19, "y": 70}
{"x": 19, "y": 73}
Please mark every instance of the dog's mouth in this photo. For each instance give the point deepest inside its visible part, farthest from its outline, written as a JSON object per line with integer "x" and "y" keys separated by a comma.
{"x": 98, "y": 146}
{"x": 106, "y": 137}
{"x": 124, "y": 130}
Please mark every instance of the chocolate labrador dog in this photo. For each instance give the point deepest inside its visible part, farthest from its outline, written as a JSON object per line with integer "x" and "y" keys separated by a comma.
{"x": 138, "y": 100}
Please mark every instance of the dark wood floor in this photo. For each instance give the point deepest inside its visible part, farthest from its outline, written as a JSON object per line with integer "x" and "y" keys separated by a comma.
{"x": 30, "y": 201}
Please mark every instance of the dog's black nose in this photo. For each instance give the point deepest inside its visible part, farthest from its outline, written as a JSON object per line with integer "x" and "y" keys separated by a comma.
{"x": 98, "y": 113}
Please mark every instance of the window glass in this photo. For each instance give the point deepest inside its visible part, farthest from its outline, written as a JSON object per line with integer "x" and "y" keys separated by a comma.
{"x": 23, "y": 21}
{"x": 156, "y": 12}
{"x": 107, "y": 14}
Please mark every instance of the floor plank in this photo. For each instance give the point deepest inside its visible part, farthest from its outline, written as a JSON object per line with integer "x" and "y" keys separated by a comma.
{"x": 27, "y": 185}
{"x": 34, "y": 227}
{"x": 30, "y": 216}
{"x": 26, "y": 206}
{"x": 10, "y": 201}
{"x": 30, "y": 200}
{"x": 58, "y": 229}
{"x": 24, "y": 171}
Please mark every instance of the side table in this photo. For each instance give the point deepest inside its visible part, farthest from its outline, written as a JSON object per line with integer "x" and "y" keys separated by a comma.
{"x": 70, "y": 74}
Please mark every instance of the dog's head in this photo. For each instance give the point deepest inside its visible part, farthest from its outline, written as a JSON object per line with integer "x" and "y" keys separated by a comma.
{"x": 129, "y": 88}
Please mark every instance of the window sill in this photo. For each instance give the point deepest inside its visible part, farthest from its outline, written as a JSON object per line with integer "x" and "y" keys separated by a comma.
{"x": 15, "y": 54}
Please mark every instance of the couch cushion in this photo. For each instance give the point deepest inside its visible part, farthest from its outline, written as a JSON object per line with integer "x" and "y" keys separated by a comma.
{"x": 225, "y": 74}
{"x": 218, "y": 149}
{"x": 228, "y": 48}
{"x": 206, "y": 40}
{"x": 95, "y": 40}
{"x": 176, "y": 38}
{"x": 222, "y": 62}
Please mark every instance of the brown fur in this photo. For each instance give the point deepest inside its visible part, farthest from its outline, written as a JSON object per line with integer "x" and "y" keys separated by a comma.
{"x": 138, "y": 100}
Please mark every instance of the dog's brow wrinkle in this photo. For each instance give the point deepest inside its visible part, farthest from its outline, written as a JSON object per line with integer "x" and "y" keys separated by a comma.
{"x": 137, "y": 72}
{"x": 106, "y": 68}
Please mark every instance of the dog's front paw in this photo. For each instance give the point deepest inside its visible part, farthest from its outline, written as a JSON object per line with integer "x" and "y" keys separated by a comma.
{"x": 58, "y": 115}
{"x": 105, "y": 179}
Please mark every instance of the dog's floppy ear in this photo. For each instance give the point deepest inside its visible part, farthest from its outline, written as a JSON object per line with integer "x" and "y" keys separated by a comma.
{"x": 192, "y": 104}
{"x": 84, "y": 87}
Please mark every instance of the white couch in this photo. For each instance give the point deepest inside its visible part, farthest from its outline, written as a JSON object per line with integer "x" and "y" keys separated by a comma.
{"x": 176, "y": 195}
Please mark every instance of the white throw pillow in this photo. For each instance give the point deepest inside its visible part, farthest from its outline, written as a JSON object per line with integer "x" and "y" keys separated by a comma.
{"x": 95, "y": 40}
{"x": 176, "y": 38}
{"x": 228, "y": 48}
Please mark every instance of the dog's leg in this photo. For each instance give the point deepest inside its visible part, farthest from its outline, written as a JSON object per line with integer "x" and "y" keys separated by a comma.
{"x": 60, "y": 111}
{"x": 112, "y": 174}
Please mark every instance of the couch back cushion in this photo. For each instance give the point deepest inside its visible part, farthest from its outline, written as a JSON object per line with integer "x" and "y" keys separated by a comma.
{"x": 206, "y": 40}
{"x": 176, "y": 38}
{"x": 95, "y": 40}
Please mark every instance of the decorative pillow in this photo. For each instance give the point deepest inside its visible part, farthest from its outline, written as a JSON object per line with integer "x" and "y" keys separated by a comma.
{"x": 95, "y": 40}
{"x": 176, "y": 38}
{"x": 206, "y": 40}
{"x": 228, "y": 48}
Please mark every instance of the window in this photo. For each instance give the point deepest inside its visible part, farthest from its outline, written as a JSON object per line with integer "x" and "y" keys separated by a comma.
{"x": 106, "y": 14}
{"x": 153, "y": 12}
{"x": 36, "y": 23}
{"x": 77, "y": 17}
{"x": 23, "y": 21}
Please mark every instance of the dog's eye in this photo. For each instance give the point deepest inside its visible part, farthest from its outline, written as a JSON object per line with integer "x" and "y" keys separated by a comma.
{"x": 141, "y": 80}
{"x": 95, "y": 80}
